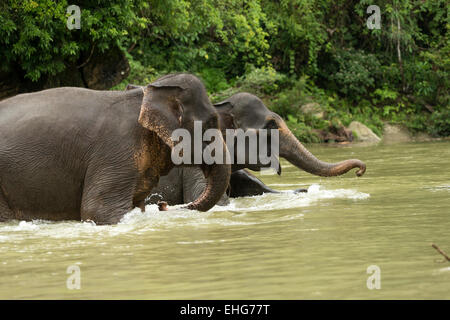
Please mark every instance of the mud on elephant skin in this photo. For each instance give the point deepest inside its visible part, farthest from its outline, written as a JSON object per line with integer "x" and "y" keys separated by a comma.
{"x": 246, "y": 111}
{"x": 80, "y": 154}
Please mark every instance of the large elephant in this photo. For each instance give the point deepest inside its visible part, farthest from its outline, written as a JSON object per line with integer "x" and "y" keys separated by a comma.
{"x": 246, "y": 111}
{"x": 80, "y": 154}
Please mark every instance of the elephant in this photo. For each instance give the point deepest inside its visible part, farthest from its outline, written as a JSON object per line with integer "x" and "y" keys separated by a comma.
{"x": 246, "y": 111}
{"x": 80, "y": 154}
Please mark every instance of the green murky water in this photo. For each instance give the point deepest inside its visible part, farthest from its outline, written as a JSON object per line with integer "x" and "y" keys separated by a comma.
{"x": 286, "y": 246}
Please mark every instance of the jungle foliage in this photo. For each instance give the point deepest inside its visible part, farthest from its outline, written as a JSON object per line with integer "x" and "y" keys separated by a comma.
{"x": 289, "y": 52}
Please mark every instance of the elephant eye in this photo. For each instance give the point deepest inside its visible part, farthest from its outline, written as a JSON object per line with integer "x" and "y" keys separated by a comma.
{"x": 271, "y": 124}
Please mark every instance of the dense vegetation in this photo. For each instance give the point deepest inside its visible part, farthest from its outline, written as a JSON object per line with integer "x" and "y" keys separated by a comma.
{"x": 289, "y": 52}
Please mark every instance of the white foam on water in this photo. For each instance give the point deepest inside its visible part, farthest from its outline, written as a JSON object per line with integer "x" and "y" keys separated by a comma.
{"x": 24, "y": 225}
{"x": 441, "y": 270}
{"x": 201, "y": 241}
{"x": 296, "y": 185}
{"x": 240, "y": 211}
{"x": 445, "y": 187}
{"x": 439, "y": 188}
{"x": 289, "y": 199}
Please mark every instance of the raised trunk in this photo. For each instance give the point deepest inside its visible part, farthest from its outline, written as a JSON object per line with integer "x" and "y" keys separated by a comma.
{"x": 292, "y": 150}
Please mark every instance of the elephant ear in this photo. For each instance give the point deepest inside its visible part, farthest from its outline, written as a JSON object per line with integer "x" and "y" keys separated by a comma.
{"x": 225, "y": 111}
{"x": 161, "y": 110}
{"x": 224, "y": 106}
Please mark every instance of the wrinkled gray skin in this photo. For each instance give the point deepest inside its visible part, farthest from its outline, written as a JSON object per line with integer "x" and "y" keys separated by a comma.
{"x": 182, "y": 185}
{"x": 246, "y": 111}
{"x": 80, "y": 154}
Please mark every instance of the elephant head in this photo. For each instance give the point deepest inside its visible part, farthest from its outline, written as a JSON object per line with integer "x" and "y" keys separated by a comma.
{"x": 175, "y": 101}
{"x": 246, "y": 111}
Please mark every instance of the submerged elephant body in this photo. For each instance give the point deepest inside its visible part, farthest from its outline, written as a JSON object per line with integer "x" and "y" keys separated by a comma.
{"x": 184, "y": 184}
{"x": 80, "y": 154}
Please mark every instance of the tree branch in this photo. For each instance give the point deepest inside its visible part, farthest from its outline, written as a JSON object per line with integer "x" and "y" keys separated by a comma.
{"x": 441, "y": 252}
{"x": 88, "y": 59}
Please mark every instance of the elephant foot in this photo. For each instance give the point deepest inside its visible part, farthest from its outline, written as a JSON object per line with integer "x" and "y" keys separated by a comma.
{"x": 300, "y": 190}
{"x": 162, "y": 206}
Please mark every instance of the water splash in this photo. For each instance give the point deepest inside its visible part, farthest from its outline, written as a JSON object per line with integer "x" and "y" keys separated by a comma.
{"x": 240, "y": 211}
{"x": 289, "y": 199}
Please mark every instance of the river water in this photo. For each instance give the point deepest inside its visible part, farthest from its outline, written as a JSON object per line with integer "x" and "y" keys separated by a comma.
{"x": 317, "y": 245}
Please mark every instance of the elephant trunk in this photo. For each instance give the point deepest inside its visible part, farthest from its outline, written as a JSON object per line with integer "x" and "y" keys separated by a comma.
{"x": 292, "y": 150}
{"x": 217, "y": 181}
